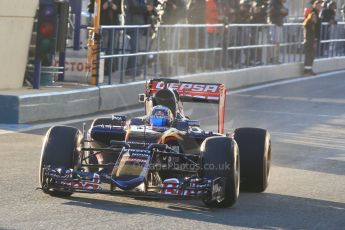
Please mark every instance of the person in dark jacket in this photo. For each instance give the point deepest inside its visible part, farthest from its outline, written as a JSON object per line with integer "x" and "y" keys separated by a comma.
{"x": 91, "y": 6}
{"x": 327, "y": 15}
{"x": 328, "y": 12}
{"x": 137, "y": 13}
{"x": 310, "y": 41}
{"x": 230, "y": 38}
{"x": 195, "y": 15}
{"x": 111, "y": 12}
{"x": 243, "y": 38}
{"x": 174, "y": 13}
{"x": 258, "y": 15}
{"x": 196, "y": 12}
{"x": 231, "y": 10}
{"x": 258, "y": 12}
{"x": 276, "y": 14}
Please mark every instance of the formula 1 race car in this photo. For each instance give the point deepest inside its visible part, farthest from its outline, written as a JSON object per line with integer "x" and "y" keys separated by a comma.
{"x": 161, "y": 154}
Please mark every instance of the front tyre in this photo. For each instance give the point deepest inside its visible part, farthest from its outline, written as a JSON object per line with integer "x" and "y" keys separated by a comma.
{"x": 255, "y": 152}
{"x": 220, "y": 158}
{"x": 60, "y": 150}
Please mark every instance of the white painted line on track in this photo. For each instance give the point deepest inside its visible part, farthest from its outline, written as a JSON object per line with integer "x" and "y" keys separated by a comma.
{"x": 286, "y": 113}
{"x": 285, "y": 82}
{"x": 6, "y": 129}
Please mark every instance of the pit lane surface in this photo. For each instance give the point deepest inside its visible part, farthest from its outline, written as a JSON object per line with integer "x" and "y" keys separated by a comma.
{"x": 306, "y": 120}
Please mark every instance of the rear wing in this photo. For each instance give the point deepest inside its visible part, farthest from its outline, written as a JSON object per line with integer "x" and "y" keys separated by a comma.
{"x": 193, "y": 92}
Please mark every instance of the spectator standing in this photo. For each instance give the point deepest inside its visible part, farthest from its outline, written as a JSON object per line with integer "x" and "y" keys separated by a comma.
{"x": 328, "y": 12}
{"x": 316, "y": 8}
{"x": 111, "y": 12}
{"x": 231, "y": 11}
{"x": 214, "y": 14}
{"x": 258, "y": 11}
{"x": 196, "y": 11}
{"x": 312, "y": 27}
{"x": 137, "y": 13}
{"x": 276, "y": 14}
{"x": 175, "y": 12}
{"x": 258, "y": 15}
{"x": 91, "y": 9}
{"x": 231, "y": 15}
{"x": 327, "y": 15}
{"x": 243, "y": 37}
{"x": 195, "y": 15}
{"x": 310, "y": 41}
{"x": 243, "y": 16}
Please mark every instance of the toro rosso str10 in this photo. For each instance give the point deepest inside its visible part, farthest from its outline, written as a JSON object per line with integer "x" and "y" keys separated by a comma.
{"x": 161, "y": 154}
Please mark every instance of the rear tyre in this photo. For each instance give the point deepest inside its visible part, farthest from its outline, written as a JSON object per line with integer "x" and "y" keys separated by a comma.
{"x": 220, "y": 158}
{"x": 60, "y": 150}
{"x": 255, "y": 152}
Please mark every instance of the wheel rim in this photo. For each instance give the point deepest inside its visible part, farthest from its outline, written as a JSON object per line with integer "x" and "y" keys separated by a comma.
{"x": 268, "y": 164}
{"x": 237, "y": 173}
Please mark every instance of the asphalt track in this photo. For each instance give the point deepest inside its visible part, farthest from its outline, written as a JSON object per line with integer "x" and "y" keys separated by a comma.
{"x": 306, "y": 119}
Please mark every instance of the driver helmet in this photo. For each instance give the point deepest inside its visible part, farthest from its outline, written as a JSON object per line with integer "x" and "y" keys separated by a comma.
{"x": 161, "y": 116}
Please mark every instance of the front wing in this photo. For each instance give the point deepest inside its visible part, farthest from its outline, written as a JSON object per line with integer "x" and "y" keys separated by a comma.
{"x": 69, "y": 180}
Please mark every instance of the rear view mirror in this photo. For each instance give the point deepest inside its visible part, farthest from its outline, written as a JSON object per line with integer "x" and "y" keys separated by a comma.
{"x": 142, "y": 97}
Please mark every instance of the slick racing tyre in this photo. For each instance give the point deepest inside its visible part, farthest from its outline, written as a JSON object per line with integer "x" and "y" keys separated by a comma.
{"x": 60, "y": 150}
{"x": 220, "y": 158}
{"x": 105, "y": 121}
{"x": 255, "y": 153}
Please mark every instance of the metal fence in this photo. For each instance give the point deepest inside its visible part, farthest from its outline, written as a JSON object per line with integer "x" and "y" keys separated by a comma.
{"x": 131, "y": 54}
